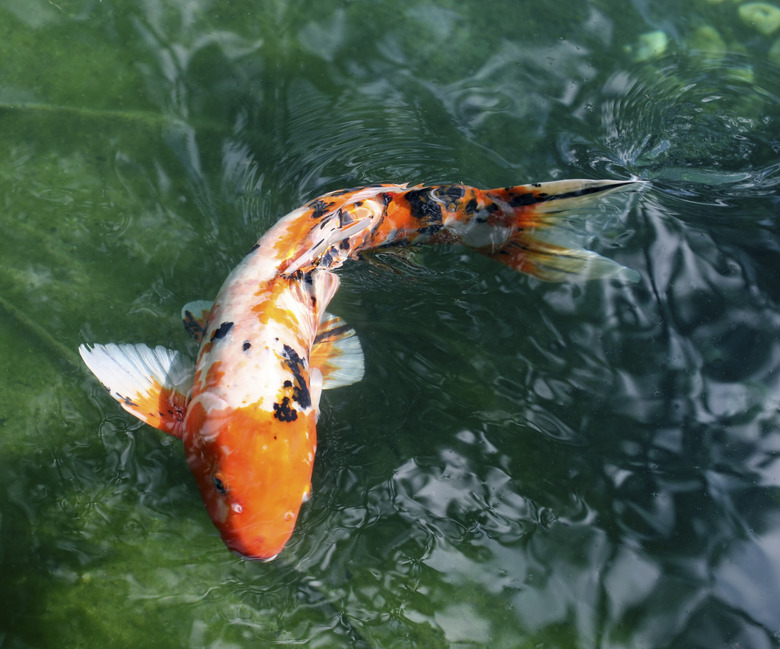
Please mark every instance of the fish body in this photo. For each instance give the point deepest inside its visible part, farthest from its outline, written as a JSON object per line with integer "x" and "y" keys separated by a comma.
{"x": 246, "y": 411}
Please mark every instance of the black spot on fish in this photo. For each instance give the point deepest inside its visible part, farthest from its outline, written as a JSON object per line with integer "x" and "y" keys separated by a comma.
{"x": 253, "y": 248}
{"x": 127, "y": 401}
{"x": 298, "y": 366}
{"x": 451, "y": 193}
{"x": 221, "y": 331}
{"x": 386, "y": 198}
{"x": 422, "y": 206}
{"x": 521, "y": 200}
{"x": 471, "y": 206}
{"x": 246, "y": 345}
{"x": 287, "y": 384}
{"x": 284, "y": 412}
{"x": 430, "y": 229}
{"x": 320, "y": 207}
{"x": 344, "y": 244}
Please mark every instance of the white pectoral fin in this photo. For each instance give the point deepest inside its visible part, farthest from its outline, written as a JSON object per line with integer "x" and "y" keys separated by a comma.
{"x": 151, "y": 384}
{"x": 337, "y": 353}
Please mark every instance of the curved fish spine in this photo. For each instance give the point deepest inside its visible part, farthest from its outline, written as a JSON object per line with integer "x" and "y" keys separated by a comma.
{"x": 248, "y": 421}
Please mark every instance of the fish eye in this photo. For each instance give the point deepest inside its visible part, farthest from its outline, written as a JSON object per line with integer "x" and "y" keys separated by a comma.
{"x": 219, "y": 484}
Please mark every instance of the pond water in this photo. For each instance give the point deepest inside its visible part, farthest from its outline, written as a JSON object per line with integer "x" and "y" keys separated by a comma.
{"x": 525, "y": 464}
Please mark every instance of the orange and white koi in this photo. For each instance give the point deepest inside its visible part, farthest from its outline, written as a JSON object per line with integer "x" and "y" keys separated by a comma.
{"x": 246, "y": 411}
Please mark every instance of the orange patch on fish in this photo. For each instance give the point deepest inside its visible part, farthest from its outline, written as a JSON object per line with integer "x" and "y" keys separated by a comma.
{"x": 253, "y": 474}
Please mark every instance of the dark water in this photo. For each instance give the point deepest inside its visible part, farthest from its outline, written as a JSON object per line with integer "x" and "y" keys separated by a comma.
{"x": 525, "y": 464}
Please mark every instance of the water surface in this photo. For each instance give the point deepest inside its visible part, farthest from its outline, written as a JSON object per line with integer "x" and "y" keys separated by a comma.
{"x": 524, "y": 464}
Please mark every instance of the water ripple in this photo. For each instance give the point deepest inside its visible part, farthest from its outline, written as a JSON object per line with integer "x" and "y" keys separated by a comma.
{"x": 705, "y": 130}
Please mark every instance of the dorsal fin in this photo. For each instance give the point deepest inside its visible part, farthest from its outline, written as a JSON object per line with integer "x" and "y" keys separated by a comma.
{"x": 195, "y": 316}
{"x": 325, "y": 286}
{"x": 152, "y": 384}
{"x": 337, "y": 353}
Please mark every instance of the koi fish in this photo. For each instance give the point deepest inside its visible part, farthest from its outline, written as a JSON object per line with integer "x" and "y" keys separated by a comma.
{"x": 246, "y": 410}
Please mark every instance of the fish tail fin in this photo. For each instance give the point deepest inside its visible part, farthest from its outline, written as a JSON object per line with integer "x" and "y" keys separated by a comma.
{"x": 541, "y": 243}
{"x": 337, "y": 353}
{"x": 553, "y": 263}
{"x": 151, "y": 384}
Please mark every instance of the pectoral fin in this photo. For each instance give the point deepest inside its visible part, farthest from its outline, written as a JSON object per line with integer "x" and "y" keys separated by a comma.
{"x": 337, "y": 353}
{"x": 195, "y": 316}
{"x": 151, "y": 384}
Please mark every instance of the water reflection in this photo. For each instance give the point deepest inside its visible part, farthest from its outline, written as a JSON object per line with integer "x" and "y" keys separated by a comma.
{"x": 523, "y": 464}
{"x": 655, "y": 520}
{"x": 694, "y": 359}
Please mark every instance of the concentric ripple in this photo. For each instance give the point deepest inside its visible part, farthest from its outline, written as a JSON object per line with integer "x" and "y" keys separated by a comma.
{"x": 702, "y": 129}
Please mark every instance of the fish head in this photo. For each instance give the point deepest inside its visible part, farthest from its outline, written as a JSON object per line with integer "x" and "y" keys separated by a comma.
{"x": 253, "y": 471}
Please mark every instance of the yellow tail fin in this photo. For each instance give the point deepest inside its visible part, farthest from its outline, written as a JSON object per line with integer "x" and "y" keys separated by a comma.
{"x": 542, "y": 245}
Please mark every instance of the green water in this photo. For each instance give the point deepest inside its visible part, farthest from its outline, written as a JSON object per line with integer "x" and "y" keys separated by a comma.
{"x": 525, "y": 464}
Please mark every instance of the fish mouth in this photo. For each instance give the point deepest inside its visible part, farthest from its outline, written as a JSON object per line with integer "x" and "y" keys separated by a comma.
{"x": 249, "y": 550}
{"x": 249, "y": 557}
{"x": 253, "y": 557}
